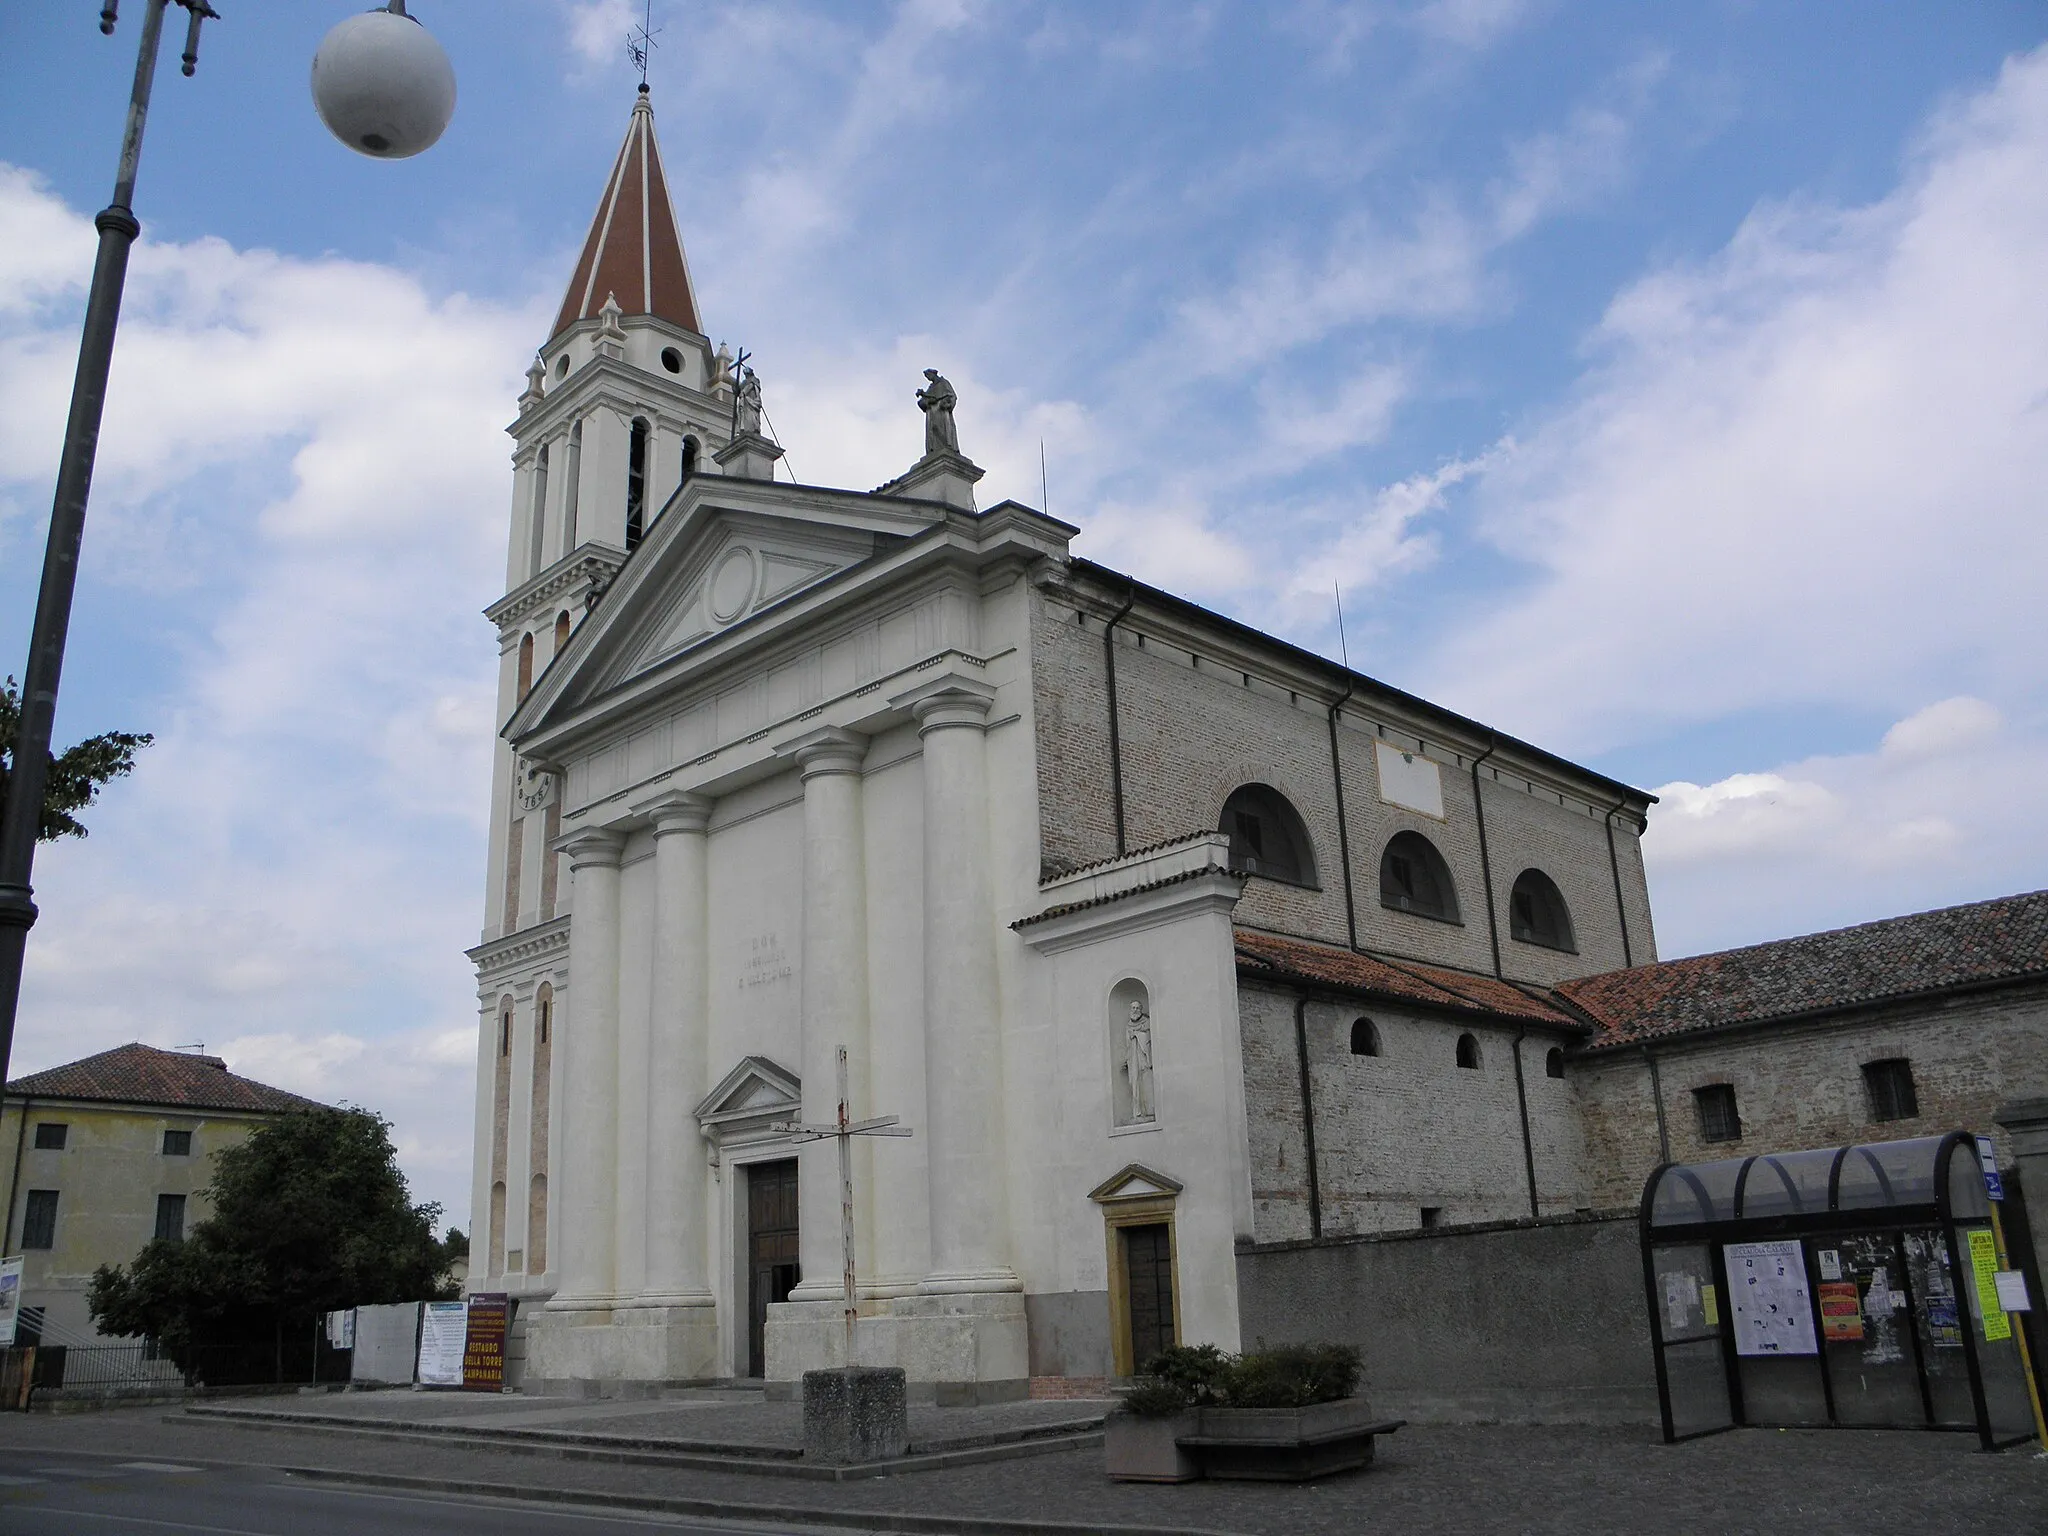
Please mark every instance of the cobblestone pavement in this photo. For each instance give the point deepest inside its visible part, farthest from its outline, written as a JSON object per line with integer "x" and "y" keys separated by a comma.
{"x": 1428, "y": 1480}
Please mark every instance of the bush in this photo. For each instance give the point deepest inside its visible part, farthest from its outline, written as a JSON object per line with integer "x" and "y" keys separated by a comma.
{"x": 1201, "y": 1375}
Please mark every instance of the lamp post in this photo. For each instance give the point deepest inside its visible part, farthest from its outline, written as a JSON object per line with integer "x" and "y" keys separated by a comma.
{"x": 407, "y": 83}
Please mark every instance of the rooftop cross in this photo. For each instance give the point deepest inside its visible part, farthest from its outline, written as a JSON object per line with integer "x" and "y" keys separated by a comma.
{"x": 844, "y": 1131}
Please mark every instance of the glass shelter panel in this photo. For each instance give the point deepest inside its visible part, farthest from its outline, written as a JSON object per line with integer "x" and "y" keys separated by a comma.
{"x": 1689, "y": 1327}
{"x": 1992, "y": 1329}
{"x": 1696, "y": 1193}
{"x": 1867, "y": 1330}
{"x": 1937, "y": 1328}
{"x": 1788, "y": 1184}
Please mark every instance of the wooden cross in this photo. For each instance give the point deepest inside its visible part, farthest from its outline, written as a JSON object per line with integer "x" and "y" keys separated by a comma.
{"x": 844, "y": 1131}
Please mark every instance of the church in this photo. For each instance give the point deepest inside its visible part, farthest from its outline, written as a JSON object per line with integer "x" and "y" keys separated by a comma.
{"x": 1162, "y": 937}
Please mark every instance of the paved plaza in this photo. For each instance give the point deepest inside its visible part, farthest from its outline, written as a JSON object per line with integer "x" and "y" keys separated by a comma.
{"x": 1428, "y": 1479}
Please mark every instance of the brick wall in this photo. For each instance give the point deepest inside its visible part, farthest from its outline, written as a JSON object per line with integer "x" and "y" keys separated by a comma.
{"x": 1194, "y": 726}
{"x": 1801, "y": 1085}
{"x": 1406, "y": 1129}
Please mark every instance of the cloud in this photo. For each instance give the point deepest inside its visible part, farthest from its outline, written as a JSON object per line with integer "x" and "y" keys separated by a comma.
{"x": 598, "y": 29}
{"x": 1942, "y": 810}
{"x": 1806, "y": 468}
{"x": 301, "y": 491}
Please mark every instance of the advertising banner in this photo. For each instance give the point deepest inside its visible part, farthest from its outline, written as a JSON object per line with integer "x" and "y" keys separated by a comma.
{"x": 483, "y": 1355}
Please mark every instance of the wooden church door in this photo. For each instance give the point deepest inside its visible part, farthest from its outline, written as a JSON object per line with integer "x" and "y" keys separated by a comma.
{"x": 1148, "y": 1271}
{"x": 771, "y": 1251}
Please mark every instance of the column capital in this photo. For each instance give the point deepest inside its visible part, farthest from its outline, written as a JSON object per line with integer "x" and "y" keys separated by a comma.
{"x": 674, "y": 811}
{"x": 947, "y": 700}
{"x": 829, "y": 749}
{"x": 592, "y": 847}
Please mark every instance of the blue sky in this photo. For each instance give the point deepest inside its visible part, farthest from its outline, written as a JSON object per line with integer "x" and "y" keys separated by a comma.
{"x": 1668, "y": 385}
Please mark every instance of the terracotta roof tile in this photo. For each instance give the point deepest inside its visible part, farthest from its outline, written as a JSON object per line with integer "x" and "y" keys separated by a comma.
{"x": 1268, "y": 954}
{"x": 142, "y": 1074}
{"x": 1984, "y": 943}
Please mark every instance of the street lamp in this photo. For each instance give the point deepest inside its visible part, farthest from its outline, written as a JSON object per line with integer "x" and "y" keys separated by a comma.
{"x": 391, "y": 90}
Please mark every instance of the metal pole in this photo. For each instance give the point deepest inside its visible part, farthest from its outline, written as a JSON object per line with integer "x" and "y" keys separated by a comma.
{"x": 118, "y": 228}
{"x": 846, "y": 1204}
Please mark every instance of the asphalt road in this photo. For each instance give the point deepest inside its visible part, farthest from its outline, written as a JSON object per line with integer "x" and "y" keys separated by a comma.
{"x": 44, "y": 1493}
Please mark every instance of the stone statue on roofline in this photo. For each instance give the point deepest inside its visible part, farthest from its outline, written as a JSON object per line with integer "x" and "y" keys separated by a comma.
{"x": 937, "y": 400}
{"x": 749, "y": 402}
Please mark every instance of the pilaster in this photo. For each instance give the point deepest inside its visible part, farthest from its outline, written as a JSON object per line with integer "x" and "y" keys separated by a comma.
{"x": 590, "y": 1043}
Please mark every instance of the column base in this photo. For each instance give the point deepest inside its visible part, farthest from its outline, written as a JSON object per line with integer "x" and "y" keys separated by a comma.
{"x": 965, "y": 1348}
{"x": 620, "y": 1351}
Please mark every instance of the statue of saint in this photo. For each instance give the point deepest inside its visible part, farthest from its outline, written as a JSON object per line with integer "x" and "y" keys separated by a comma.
{"x": 937, "y": 400}
{"x": 749, "y": 402}
{"x": 1138, "y": 1061}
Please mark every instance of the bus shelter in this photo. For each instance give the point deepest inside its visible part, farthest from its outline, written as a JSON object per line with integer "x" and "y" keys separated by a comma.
{"x": 1848, "y": 1286}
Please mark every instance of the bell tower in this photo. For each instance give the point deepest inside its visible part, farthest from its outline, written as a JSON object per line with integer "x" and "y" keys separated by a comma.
{"x": 625, "y": 400}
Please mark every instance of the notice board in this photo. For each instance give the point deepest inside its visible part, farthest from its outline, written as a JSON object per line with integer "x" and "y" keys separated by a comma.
{"x": 443, "y": 1331}
{"x": 483, "y": 1352}
{"x": 1767, "y": 1292}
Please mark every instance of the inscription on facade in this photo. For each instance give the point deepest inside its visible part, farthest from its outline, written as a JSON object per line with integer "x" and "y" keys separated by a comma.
{"x": 766, "y": 963}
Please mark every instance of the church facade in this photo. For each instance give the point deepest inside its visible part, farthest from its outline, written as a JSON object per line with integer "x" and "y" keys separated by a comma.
{"x": 1069, "y": 868}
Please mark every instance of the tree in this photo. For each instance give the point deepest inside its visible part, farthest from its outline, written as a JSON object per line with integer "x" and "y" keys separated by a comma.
{"x": 310, "y": 1215}
{"x": 76, "y": 774}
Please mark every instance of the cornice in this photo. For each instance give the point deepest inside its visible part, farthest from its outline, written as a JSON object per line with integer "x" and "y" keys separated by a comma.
{"x": 585, "y": 563}
{"x": 526, "y": 945}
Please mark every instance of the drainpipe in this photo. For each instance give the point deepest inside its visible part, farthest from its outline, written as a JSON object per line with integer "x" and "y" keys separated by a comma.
{"x": 1308, "y": 1117}
{"x": 1116, "y": 753}
{"x": 1657, "y": 1092}
{"x": 1343, "y": 828}
{"x": 1522, "y": 1102}
{"x": 14, "y": 1180}
{"x": 1485, "y": 863}
{"x": 1620, "y": 908}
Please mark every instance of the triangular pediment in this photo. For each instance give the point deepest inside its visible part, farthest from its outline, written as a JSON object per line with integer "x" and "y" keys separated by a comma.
{"x": 1134, "y": 1182}
{"x": 757, "y": 1086}
{"x": 724, "y": 554}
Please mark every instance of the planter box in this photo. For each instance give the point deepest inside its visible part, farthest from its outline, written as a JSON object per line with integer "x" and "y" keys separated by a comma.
{"x": 1285, "y": 1444}
{"x": 1139, "y": 1450}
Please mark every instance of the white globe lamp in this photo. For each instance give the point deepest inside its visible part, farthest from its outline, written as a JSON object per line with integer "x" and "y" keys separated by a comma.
{"x": 382, "y": 84}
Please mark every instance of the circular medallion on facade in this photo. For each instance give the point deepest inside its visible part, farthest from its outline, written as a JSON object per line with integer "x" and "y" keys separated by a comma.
{"x": 731, "y": 586}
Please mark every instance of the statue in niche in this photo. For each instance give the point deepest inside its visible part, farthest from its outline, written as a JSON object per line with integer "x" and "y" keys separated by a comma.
{"x": 937, "y": 400}
{"x": 1138, "y": 1060}
{"x": 749, "y": 419}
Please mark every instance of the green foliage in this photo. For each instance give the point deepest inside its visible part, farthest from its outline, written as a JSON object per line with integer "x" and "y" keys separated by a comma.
{"x": 75, "y": 775}
{"x": 310, "y": 1214}
{"x": 1195, "y": 1376}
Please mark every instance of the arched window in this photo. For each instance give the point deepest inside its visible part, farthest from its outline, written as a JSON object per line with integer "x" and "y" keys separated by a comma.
{"x": 1267, "y": 836}
{"x": 505, "y": 1031}
{"x": 561, "y": 632}
{"x": 1536, "y": 912}
{"x": 540, "y": 507}
{"x": 636, "y": 484}
{"x": 1553, "y": 1062}
{"x": 1365, "y": 1038}
{"x": 689, "y": 460}
{"x": 571, "y": 493}
{"x": 1414, "y": 878}
{"x": 544, "y": 1017}
{"x": 1468, "y": 1052}
{"x": 525, "y": 664}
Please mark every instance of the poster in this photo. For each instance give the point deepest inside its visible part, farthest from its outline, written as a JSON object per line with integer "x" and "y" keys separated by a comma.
{"x": 443, "y": 1331}
{"x": 1984, "y": 1271}
{"x": 1767, "y": 1292}
{"x": 1711, "y": 1305}
{"x": 341, "y": 1329}
{"x": 10, "y": 1298}
{"x": 483, "y": 1354}
{"x": 1841, "y": 1310}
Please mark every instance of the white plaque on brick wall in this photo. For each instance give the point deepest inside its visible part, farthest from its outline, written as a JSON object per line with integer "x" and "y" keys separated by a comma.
{"x": 1409, "y": 779}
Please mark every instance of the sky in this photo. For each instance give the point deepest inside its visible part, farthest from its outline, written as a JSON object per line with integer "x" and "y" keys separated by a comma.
{"x": 1664, "y": 385}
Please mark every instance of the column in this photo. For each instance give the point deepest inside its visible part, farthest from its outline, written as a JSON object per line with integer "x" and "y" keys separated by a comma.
{"x": 590, "y": 1042}
{"x": 835, "y": 985}
{"x": 962, "y": 1018}
{"x": 678, "y": 1056}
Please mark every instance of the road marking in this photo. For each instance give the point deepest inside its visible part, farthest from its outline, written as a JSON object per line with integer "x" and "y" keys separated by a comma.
{"x": 18, "y": 1482}
{"x": 161, "y": 1525}
{"x": 156, "y": 1466}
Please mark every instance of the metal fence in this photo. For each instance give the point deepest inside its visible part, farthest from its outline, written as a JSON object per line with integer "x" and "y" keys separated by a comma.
{"x": 146, "y": 1365}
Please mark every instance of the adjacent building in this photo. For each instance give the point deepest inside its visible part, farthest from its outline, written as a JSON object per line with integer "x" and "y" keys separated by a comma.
{"x": 104, "y": 1154}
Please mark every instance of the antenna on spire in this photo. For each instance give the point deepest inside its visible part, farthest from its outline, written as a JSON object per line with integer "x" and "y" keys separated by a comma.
{"x": 640, "y": 42}
{"x": 1341, "y": 641}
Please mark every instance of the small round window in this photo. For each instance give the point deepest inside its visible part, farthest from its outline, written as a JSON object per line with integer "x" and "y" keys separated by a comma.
{"x": 562, "y": 366}
{"x": 671, "y": 359}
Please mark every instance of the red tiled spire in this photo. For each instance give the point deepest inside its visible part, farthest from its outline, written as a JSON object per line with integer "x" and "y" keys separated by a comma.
{"x": 634, "y": 250}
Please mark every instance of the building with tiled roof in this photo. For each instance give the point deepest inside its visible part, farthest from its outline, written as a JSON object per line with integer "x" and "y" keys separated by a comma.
{"x": 107, "y": 1152}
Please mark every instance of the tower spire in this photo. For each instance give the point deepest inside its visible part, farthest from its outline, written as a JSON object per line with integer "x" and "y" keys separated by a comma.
{"x": 634, "y": 252}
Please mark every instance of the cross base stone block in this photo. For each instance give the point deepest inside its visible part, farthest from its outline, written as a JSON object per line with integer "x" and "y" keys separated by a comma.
{"x": 855, "y": 1414}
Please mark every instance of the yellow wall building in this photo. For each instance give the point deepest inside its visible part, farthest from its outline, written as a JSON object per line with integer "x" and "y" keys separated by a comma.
{"x": 104, "y": 1154}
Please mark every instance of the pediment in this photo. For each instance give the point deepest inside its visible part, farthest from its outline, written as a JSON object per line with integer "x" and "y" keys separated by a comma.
{"x": 757, "y": 1087}
{"x": 1134, "y": 1182}
{"x": 722, "y": 555}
